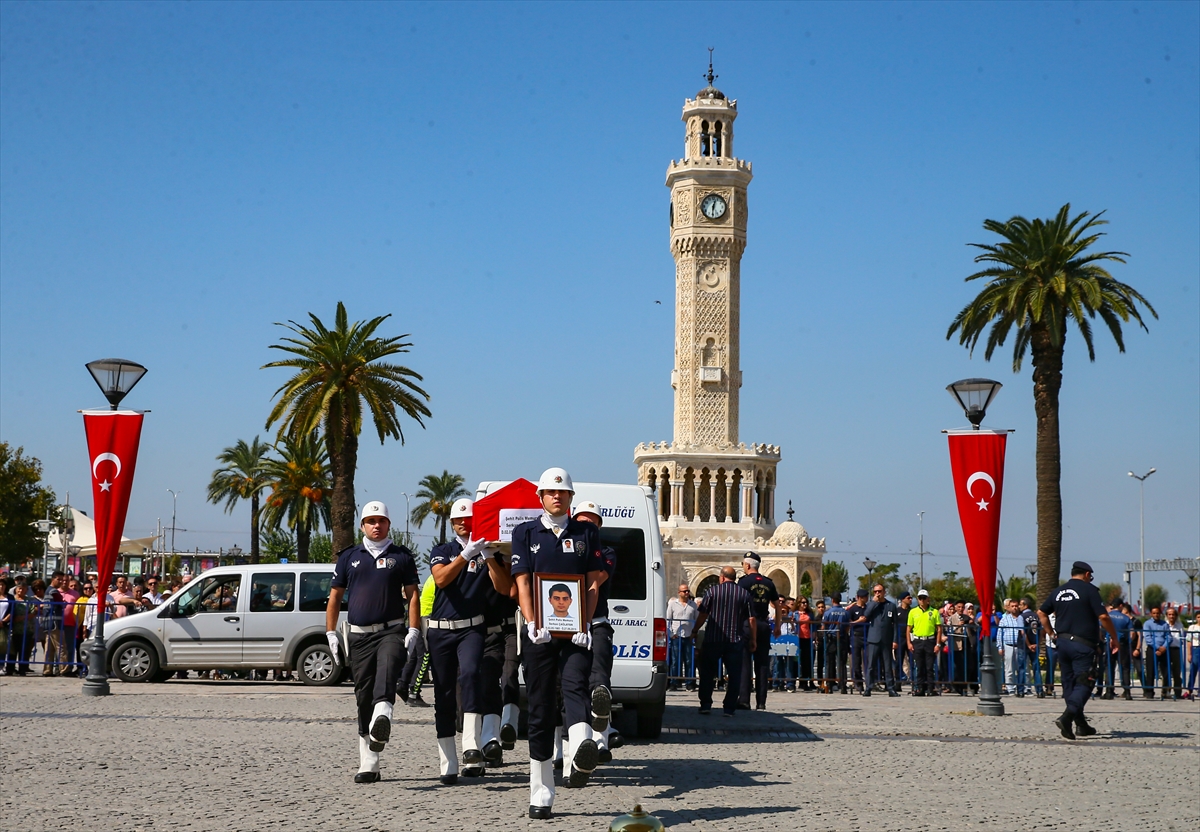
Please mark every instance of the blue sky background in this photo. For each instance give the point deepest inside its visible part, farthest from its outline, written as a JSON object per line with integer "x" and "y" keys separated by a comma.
{"x": 176, "y": 177}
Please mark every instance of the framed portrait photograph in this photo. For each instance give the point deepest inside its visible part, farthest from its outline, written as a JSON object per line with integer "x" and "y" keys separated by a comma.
{"x": 559, "y": 603}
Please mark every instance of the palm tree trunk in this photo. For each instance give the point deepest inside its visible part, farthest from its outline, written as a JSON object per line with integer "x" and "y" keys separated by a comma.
{"x": 343, "y": 460}
{"x": 1047, "y": 381}
{"x": 443, "y": 527}
{"x": 303, "y": 535}
{"x": 254, "y": 528}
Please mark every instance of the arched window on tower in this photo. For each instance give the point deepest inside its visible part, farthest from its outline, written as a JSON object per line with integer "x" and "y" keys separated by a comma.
{"x": 718, "y": 140}
{"x": 704, "y": 139}
{"x": 709, "y": 354}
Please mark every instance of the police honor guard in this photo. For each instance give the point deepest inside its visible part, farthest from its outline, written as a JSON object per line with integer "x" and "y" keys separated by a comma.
{"x": 379, "y": 580}
{"x": 557, "y": 543}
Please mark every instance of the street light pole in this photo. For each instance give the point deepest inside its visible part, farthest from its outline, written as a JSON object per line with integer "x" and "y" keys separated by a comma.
{"x": 406, "y": 537}
{"x": 1191, "y": 572}
{"x": 870, "y": 565}
{"x": 921, "y": 515}
{"x": 174, "y": 500}
{"x": 1142, "y": 531}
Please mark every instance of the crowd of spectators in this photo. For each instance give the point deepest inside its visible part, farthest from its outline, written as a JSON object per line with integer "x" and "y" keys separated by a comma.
{"x": 823, "y": 646}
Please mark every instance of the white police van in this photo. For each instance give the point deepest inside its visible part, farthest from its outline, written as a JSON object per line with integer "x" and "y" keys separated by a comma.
{"x": 637, "y": 601}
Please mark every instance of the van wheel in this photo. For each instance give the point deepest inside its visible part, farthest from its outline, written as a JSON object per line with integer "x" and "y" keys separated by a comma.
{"x": 649, "y": 722}
{"x": 315, "y": 666}
{"x": 135, "y": 661}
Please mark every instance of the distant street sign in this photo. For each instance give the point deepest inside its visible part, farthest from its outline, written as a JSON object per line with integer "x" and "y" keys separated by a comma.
{"x": 1164, "y": 565}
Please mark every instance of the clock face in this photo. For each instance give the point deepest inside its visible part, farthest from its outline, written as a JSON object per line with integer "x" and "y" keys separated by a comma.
{"x": 713, "y": 206}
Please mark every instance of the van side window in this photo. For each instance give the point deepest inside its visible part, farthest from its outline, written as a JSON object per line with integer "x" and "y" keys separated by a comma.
{"x": 314, "y": 591}
{"x": 273, "y": 592}
{"x": 629, "y": 581}
{"x": 215, "y": 594}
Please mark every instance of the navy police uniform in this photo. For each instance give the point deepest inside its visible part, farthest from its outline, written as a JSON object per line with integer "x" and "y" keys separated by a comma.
{"x": 602, "y": 630}
{"x": 576, "y": 551}
{"x": 1077, "y": 608}
{"x": 499, "y": 665}
{"x": 762, "y": 595}
{"x": 378, "y": 617}
{"x": 455, "y": 638}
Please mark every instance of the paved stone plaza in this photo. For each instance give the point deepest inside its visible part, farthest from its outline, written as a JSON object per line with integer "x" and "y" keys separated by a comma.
{"x": 199, "y": 755}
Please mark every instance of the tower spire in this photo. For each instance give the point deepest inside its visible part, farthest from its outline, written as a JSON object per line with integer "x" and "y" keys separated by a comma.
{"x": 710, "y": 75}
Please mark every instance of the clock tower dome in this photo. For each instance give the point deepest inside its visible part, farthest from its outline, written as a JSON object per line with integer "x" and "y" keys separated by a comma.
{"x": 716, "y": 494}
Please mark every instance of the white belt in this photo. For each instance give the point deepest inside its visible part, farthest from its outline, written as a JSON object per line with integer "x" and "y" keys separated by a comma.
{"x": 499, "y": 628}
{"x": 375, "y": 628}
{"x": 455, "y": 623}
{"x": 600, "y": 620}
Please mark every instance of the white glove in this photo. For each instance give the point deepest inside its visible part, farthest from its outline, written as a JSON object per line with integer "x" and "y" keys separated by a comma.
{"x": 411, "y": 638}
{"x": 490, "y": 552}
{"x": 583, "y": 640}
{"x": 334, "y": 648}
{"x": 473, "y": 548}
{"x": 537, "y": 636}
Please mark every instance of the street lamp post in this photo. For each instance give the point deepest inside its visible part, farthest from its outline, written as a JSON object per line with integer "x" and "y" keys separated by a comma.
{"x": 921, "y": 516}
{"x": 1128, "y": 585}
{"x": 1142, "y": 531}
{"x": 1032, "y": 570}
{"x": 974, "y": 395}
{"x": 870, "y": 565}
{"x": 174, "y": 501}
{"x": 406, "y": 538}
{"x": 115, "y": 377}
{"x": 1192, "y": 571}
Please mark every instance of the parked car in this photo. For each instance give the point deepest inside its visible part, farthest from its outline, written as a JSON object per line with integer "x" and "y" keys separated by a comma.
{"x": 264, "y": 617}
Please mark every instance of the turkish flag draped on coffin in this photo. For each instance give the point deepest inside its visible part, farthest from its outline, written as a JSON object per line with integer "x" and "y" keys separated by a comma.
{"x": 497, "y": 514}
{"x": 977, "y": 463}
{"x": 112, "y": 438}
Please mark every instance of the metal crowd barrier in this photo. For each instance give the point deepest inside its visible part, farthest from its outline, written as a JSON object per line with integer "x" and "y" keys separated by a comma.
{"x": 44, "y": 634}
{"x": 834, "y": 656}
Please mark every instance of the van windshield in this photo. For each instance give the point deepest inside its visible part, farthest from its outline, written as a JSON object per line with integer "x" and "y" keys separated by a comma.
{"x": 629, "y": 581}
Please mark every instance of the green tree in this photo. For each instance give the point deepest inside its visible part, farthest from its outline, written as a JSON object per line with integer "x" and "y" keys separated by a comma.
{"x": 952, "y": 587}
{"x": 437, "y": 494}
{"x": 277, "y": 545}
{"x": 1156, "y": 596}
{"x": 241, "y": 478}
{"x": 320, "y": 548}
{"x": 338, "y": 370}
{"x": 1015, "y": 587}
{"x": 887, "y": 574}
{"x": 23, "y": 501}
{"x": 299, "y": 482}
{"x": 834, "y": 577}
{"x": 1040, "y": 279}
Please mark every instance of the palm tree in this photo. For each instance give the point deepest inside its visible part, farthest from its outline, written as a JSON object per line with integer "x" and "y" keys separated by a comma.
{"x": 1042, "y": 277}
{"x": 242, "y": 478}
{"x": 437, "y": 494}
{"x": 339, "y": 369}
{"x": 299, "y": 482}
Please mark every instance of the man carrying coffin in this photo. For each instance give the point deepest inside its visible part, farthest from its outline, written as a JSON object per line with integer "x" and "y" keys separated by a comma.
{"x": 602, "y": 634}
{"x": 463, "y": 570}
{"x": 556, "y": 543}
{"x": 381, "y": 579}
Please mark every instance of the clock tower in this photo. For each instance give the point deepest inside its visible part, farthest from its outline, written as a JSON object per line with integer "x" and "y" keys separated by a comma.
{"x": 716, "y": 495}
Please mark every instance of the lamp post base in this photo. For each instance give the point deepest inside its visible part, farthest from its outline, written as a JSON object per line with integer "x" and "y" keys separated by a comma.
{"x": 96, "y": 682}
{"x": 989, "y": 682}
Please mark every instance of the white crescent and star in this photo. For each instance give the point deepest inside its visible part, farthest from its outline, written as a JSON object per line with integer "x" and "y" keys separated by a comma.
{"x": 105, "y": 485}
{"x": 980, "y": 475}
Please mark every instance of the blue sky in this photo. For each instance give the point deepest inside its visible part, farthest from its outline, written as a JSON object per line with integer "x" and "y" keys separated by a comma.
{"x": 176, "y": 178}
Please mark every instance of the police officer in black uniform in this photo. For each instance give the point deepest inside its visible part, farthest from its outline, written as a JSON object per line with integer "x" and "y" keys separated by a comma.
{"x": 763, "y": 596}
{"x": 379, "y": 579}
{"x": 498, "y": 671}
{"x": 463, "y": 570}
{"x": 600, "y": 682}
{"x": 881, "y": 615}
{"x": 1077, "y": 608}
{"x": 557, "y": 543}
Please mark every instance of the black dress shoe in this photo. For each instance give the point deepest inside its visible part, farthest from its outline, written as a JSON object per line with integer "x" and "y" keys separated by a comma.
{"x": 615, "y": 740}
{"x": 449, "y": 779}
{"x": 702, "y": 712}
{"x": 605, "y": 756}
{"x": 1108, "y": 694}
{"x": 892, "y": 693}
{"x": 1083, "y": 729}
{"x": 539, "y": 812}
{"x": 366, "y": 777}
{"x": 493, "y": 754}
{"x": 508, "y": 736}
{"x": 1128, "y": 696}
{"x": 1065, "y": 727}
{"x": 866, "y": 693}
{"x": 473, "y": 761}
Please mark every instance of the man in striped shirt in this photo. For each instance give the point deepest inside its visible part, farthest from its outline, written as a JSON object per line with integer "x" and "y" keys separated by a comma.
{"x": 726, "y": 608}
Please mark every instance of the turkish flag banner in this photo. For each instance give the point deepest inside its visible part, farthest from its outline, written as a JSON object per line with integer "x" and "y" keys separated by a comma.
{"x": 497, "y": 514}
{"x": 977, "y": 463}
{"x": 112, "y": 438}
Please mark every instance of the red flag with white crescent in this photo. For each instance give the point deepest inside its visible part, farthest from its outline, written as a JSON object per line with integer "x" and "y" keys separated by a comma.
{"x": 112, "y": 437}
{"x": 977, "y": 463}
{"x": 497, "y": 514}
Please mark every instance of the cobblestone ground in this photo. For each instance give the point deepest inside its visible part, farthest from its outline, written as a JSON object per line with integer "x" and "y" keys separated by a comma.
{"x": 194, "y": 755}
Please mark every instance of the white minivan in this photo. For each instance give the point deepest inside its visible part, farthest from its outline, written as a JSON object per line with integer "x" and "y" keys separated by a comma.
{"x": 637, "y": 600}
{"x": 269, "y": 616}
